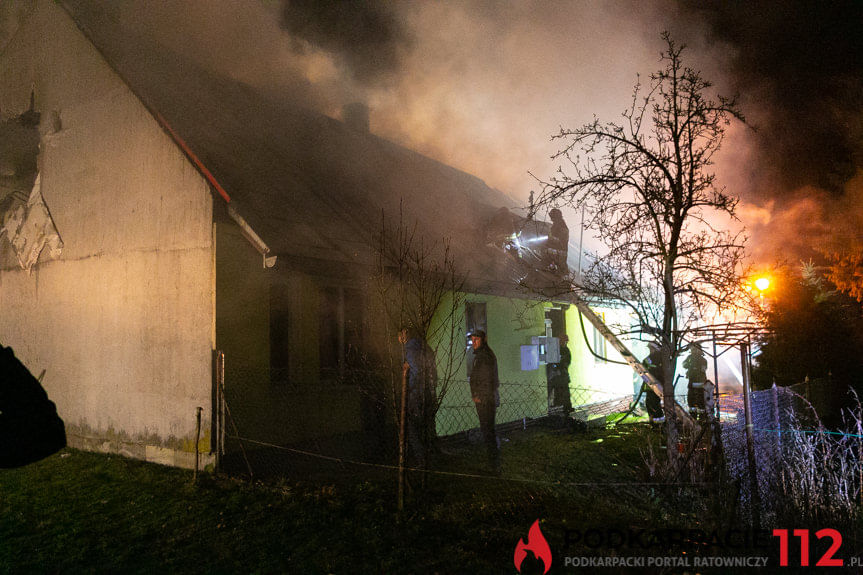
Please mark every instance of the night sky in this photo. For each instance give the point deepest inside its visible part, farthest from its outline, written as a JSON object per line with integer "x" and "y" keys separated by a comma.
{"x": 483, "y": 85}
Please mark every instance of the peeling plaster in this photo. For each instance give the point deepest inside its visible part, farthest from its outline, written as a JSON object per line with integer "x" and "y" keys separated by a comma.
{"x": 30, "y": 228}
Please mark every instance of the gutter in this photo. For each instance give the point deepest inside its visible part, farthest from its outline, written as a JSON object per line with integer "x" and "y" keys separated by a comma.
{"x": 248, "y": 232}
{"x": 191, "y": 155}
{"x": 254, "y": 239}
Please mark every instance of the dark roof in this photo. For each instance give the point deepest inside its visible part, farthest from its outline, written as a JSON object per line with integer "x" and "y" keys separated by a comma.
{"x": 307, "y": 184}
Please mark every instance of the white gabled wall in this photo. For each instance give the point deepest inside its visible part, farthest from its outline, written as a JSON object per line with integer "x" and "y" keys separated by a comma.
{"x": 122, "y": 322}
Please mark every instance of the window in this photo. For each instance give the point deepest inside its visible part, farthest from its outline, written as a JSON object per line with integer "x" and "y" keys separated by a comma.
{"x": 280, "y": 323}
{"x": 558, "y": 320}
{"x": 341, "y": 328}
{"x": 599, "y": 342}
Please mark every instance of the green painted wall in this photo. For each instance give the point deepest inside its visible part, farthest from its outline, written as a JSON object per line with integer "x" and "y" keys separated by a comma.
{"x": 291, "y": 409}
{"x": 511, "y": 324}
{"x": 310, "y": 408}
{"x": 592, "y": 379}
{"x": 242, "y": 326}
{"x": 305, "y": 408}
{"x": 304, "y": 318}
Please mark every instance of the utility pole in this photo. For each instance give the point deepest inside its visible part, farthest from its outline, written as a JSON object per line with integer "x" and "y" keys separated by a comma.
{"x": 580, "y": 243}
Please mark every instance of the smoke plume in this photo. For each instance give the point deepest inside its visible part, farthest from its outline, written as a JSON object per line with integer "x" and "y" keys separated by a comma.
{"x": 483, "y": 85}
{"x": 798, "y": 66}
{"x": 369, "y": 37}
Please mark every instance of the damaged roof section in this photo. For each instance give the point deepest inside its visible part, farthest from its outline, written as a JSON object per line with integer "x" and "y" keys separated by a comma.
{"x": 308, "y": 185}
{"x": 19, "y": 148}
{"x": 304, "y": 186}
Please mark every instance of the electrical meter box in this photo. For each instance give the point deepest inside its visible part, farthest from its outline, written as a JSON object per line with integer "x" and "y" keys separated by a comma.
{"x": 529, "y": 357}
{"x": 549, "y": 348}
{"x": 552, "y": 350}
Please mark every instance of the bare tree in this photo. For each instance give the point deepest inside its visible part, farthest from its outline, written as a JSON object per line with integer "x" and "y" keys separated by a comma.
{"x": 647, "y": 191}
{"x": 419, "y": 285}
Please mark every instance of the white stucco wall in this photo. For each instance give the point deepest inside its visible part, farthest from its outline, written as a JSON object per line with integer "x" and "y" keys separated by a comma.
{"x": 122, "y": 322}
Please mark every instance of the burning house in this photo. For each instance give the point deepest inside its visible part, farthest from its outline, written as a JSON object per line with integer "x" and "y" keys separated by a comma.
{"x": 170, "y": 234}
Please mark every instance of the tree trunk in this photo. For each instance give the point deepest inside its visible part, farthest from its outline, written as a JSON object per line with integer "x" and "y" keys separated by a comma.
{"x": 668, "y": 406}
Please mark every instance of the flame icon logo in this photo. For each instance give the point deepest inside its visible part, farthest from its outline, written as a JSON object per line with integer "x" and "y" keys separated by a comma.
{"x": 537, "y": 544}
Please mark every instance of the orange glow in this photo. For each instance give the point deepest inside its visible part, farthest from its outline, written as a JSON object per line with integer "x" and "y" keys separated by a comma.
{"x": 762, "y": 283}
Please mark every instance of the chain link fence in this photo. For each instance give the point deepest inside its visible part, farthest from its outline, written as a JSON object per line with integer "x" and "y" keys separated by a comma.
{"x": 802, "y": 469}
{"x": 276, "y": 427}
{"x": 347, "y": 429}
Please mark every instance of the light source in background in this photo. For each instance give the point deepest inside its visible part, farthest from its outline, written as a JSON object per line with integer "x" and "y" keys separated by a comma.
{"x": 762, "y": 284}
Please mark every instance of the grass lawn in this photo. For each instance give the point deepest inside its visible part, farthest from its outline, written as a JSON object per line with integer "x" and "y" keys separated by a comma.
{"x": 79, "y": 512}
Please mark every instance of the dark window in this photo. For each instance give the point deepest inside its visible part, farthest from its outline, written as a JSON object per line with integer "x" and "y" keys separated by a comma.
{"x": 558, "y": 321}
{"x": 328, "y": 332}
{"x": 341, "y": 328}
{"x": 280, "y": 323}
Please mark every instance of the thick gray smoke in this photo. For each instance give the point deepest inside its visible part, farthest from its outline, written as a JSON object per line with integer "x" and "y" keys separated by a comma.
{"x": 369, "y": 37}
{"x": 482, "y": 85}
{"x": 798, "y": 66}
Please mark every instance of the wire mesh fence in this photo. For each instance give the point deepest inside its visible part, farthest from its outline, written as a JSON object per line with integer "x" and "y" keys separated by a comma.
{"x": 802, "y": 469}
{"x": 277, "y": 427}
{"x": 347, "y": 429}
{"x": 553, "y": 464}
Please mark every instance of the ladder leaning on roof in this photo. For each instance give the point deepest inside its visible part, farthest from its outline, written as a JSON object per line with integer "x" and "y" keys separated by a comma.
{"x": 682, "y": 415}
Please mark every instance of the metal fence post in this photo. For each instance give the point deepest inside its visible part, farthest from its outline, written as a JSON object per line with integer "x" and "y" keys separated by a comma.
{"x": 716, "y": 374}
{"x": 755, "y": 496}
{"x": 198, "y": 411}
{"x": 777, "y": 423}
{"x": 402, "y": 441}
{"x": 218, "y": 423}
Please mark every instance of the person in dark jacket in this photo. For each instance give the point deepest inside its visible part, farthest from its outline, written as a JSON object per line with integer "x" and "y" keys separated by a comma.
{"x": 696, "y": 374}
{"x": 557, "y": 377}
{"x": 484, "y": 389}
{"x": 419, "y": 362}
{"x": 558, "y": 242}
{"x": 653, "y": 363}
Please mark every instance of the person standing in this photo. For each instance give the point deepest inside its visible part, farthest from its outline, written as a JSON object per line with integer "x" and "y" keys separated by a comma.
{"x": 557, "y": 376}
{"x": 420, "y": 370}
{"x": 696, "y": 374}
{"x": 653, "y": 363}
{"x": 485, "y": 391}
{"x": 558, "y": 242}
